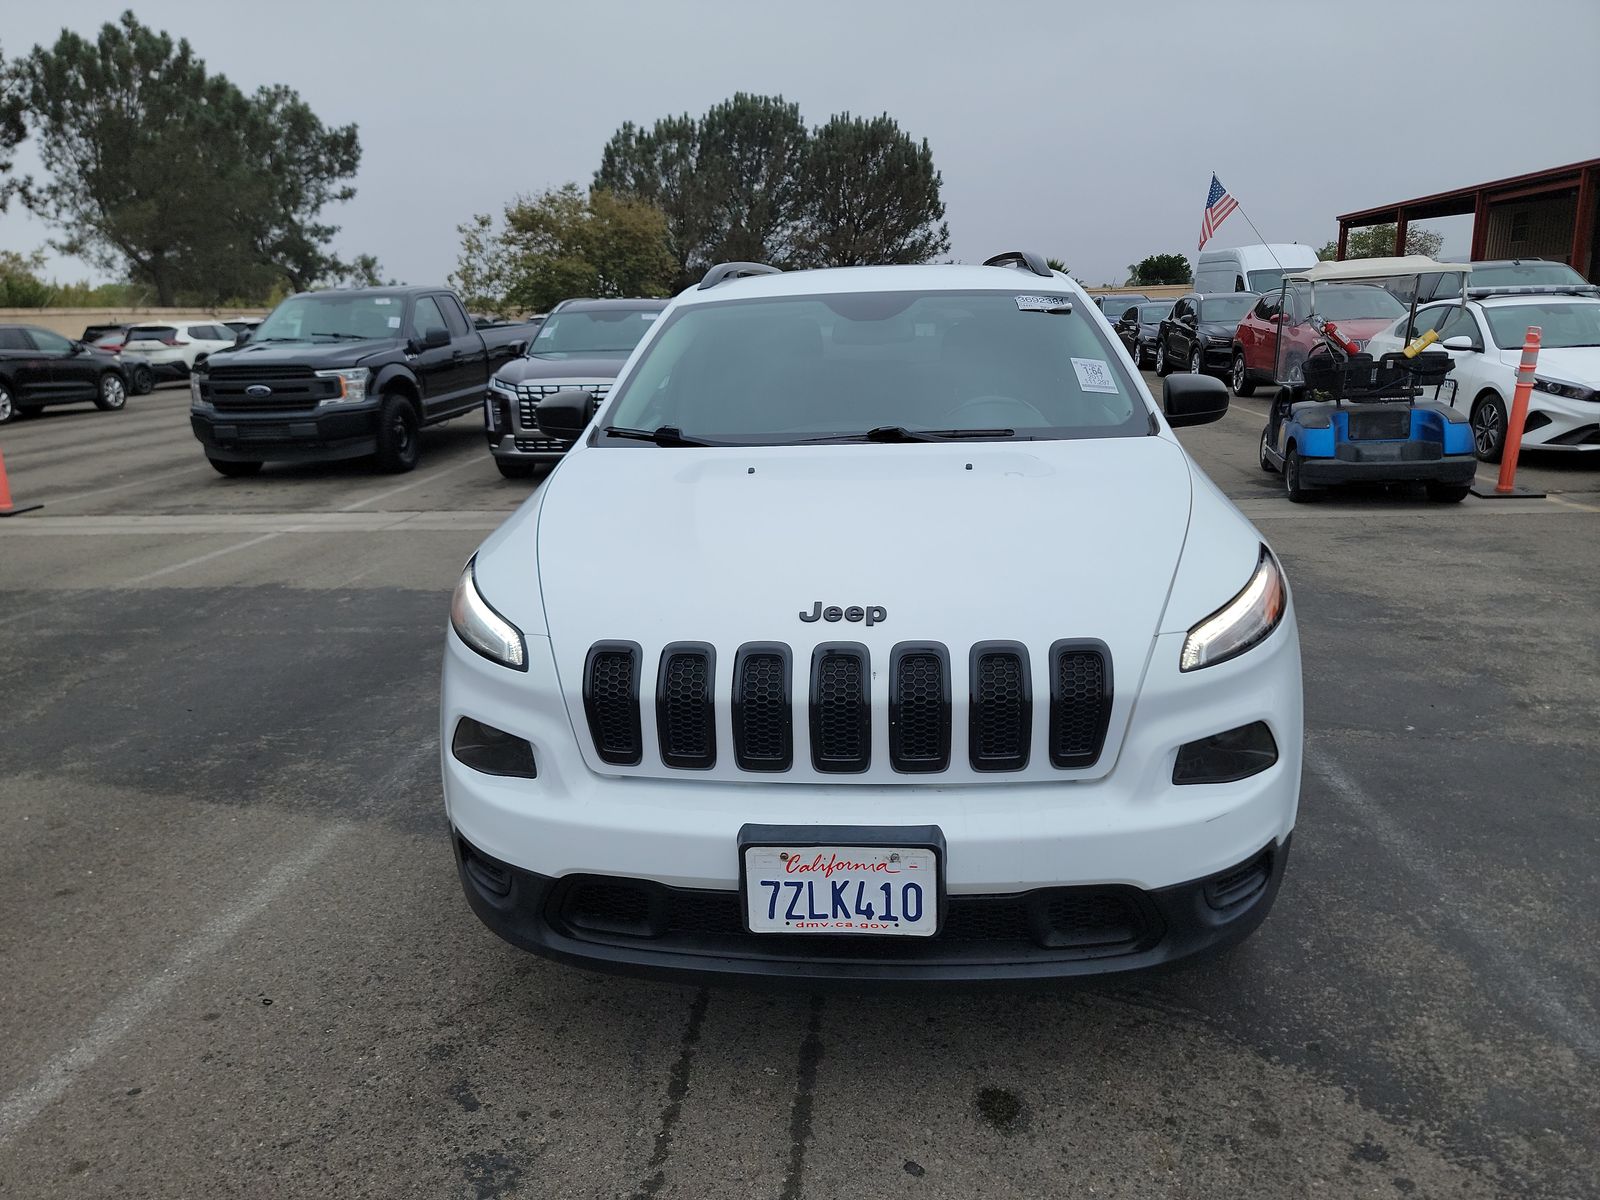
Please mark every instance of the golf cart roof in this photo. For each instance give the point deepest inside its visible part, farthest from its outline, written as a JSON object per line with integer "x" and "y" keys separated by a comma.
{"x": 1375, "y": 268}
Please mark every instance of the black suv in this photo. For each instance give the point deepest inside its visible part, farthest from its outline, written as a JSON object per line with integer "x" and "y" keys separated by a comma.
{"x": 38, "y": 367}
{"x": 1198, "y": 336}
{"x": 580, "y": 348}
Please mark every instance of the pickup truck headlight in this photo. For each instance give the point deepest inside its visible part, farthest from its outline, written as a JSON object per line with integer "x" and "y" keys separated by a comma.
{"x": 496, "y": 384}
{"x": 479, "y": 626}
{"x": 195, "y": 398}
{"x": 352, "y": 384}
{"x": 1241, "y": 622}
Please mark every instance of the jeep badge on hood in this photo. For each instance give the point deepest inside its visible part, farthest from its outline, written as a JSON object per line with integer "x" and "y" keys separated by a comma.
{"x": 873, "y": 614}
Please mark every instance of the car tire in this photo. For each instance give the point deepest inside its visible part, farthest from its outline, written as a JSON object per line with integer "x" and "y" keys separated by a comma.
{"x": 399, "y": 431}
{"x": 512, "y": 469}
{"x": 113, "y": 392}
{"x": 1243, "y": 385}
{"x": 1448, "y": 493}
{"x": 233, "y": 470}
{"x": 144, "y": 381}
{"x": 1266, "y": 463}
{"x": 1489, "y": 428}
{"x": 1196, "y": 363}
{"x": 9, "y": 409}
{"x": 1293, "y": 485}
{"x": 1161, "y": 359}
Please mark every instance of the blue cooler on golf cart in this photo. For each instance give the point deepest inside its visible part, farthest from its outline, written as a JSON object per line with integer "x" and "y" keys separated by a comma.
{"x": 1341, "y": 416}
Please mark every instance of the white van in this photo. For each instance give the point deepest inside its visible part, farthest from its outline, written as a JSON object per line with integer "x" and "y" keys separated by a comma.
{"x": 1256, "y": 268}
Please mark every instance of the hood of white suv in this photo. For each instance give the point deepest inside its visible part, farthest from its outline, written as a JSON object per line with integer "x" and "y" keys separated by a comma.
{"x": 1030, "y": 542}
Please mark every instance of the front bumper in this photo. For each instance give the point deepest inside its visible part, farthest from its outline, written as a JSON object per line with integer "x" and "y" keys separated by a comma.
{"x": 531, "y": 448}
{"x": 308, "y": 436}
{"x": 1218, "y": 358}
{"x": 637, "y": 927}
{"x": 1326, "y": 472}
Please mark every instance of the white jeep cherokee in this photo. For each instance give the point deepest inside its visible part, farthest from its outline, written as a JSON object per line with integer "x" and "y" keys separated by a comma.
{"x": 878, "y": 629}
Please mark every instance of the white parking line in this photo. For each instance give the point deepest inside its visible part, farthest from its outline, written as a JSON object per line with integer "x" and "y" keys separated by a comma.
{"x": 27, "y": 1102}
{"x": 200, "y": 558}
{"x": 1517, "y": 976}
{"x": 476, "y": 461}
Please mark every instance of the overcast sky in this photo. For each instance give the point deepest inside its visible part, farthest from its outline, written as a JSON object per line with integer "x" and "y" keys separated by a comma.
{"x": 1087, "y": 131}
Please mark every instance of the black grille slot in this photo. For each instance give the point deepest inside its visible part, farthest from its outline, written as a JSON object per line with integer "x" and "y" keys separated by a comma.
{"x": 841, "y": 719}
{"x": 763, "y": 735}
{"x": 611, "y": 701}
{"x": 1083, "y": 917}
{"x": 1240, "y": 884}
{"x": 685, "y": 712}
{"x": 919, "y": 708}
{"x": 1080, "y": 702}
{"x": 1000, "y": 722}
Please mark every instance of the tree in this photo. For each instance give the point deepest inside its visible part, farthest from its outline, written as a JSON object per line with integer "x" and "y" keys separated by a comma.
{"x": 871, "y": 195}
{"x": 12, "y": 127}
{"x": 1377, "y": 241}
{"x": 661, "y": 168}
{"x": 560, "y": 243}
{"x": 1158, "y": 269}
{"x": 171, "y": 175}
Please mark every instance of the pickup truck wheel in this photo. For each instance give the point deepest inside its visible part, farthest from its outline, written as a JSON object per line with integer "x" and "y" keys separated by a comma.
{"x": 512, "y": 469}
{"x": 113, "y": 392}
{"x": 233, "y": 470}
{"x": 398, "y": 430}
{"x": 1293, "y": 485}
{"x": 1243, "y": 385}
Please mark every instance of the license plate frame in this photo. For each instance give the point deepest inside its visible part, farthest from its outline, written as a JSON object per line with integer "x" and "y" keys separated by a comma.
{"x": 927, "y": 838}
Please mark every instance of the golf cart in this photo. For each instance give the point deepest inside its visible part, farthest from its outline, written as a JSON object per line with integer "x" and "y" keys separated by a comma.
{"x": 1342, "y": 417}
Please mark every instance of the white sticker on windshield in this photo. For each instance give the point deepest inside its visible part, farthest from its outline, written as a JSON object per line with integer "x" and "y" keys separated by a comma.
{"x": 1094, "y": 375}
{"x": 648, "y": 316}
{"x": 381, "y": 300}
{"x": 394, "y": 322}
{"x": 1045, "y": 304}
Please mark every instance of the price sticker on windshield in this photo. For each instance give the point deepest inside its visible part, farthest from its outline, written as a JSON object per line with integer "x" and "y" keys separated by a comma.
{"x": 1045, "y": 304}
{"x": 1094, "y": 375}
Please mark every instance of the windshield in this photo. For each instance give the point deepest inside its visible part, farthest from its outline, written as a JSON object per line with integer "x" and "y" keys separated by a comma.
{"x": 332, "y": 315}
{"x": 1150, "y": 314}
{"x": 796, "y": 369}
{"x": 1223, "y": 310}
{"x": 593, "y": 331}
{"x": 1357, "y": 302}
{"x": 1561, "y": 325}
{"x": 1266, "y": 281}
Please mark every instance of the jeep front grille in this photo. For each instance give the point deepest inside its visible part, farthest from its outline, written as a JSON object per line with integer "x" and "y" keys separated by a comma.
{"x": 760, "y": 698}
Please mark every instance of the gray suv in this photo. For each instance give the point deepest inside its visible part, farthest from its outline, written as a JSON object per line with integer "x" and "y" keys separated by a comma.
{"x": 580, "y": 347}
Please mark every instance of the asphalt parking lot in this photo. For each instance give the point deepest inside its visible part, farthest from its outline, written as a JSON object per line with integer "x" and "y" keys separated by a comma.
{"x": 235, "y": 960}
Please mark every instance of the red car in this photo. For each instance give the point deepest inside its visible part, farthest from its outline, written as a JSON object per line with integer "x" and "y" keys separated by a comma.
{"x": 1358, "y": 309}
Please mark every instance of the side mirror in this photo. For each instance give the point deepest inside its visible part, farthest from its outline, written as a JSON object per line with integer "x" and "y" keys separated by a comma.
{"x": 566, "y": 414}
{"x": 435, "y": 338}
{"x": 1193, "y": 400}
{"x": 1460, "y": 342}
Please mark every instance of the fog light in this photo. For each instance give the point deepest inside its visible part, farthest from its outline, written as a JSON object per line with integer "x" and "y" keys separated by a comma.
{"x": 1226, "y": 757}
{"x": 492, "y": 751}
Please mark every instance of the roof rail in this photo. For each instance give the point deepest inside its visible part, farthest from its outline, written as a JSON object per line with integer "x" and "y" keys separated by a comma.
{"x": 1533, "y": 289}
{"x": 1023, "y": 260}
{"x": 735, "y": 270}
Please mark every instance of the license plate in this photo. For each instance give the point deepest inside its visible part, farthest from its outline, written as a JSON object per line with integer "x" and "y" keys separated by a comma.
{"x": 880, "y": 890}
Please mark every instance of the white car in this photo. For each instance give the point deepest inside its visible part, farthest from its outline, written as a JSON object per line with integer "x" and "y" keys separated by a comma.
{"x": 1485, "y": 338}
{"x": 171, "y": 349}
{"x": 877, "y": 628}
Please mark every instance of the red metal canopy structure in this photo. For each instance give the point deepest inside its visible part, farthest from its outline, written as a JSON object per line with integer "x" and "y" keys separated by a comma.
{"x": 1545, "y": 214}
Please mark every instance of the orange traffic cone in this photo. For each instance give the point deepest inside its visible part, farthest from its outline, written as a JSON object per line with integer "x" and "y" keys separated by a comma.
{"x": 8, "y": 509}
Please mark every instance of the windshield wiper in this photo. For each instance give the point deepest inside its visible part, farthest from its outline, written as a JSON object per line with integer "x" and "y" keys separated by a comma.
{"x": 899, "y": 433}
{"x": 666, "y": 435}
{"x": 345, "y": 337}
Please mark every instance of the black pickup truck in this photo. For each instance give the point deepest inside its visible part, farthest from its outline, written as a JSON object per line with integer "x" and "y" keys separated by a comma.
{"x": 343, "y": 374}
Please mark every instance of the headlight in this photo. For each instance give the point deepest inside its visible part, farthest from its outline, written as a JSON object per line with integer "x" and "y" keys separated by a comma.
{"x": 1572, "y": 391}
{"x": 496, "y": 384}
{"x": 485, "y": 630}
{"x": 352, "y": 384}
{"x": 1241, "y": 622}
{"x": 195, "y": 398}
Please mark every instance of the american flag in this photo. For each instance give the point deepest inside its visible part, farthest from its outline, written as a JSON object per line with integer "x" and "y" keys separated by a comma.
{"x": 1218, "y": 205}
